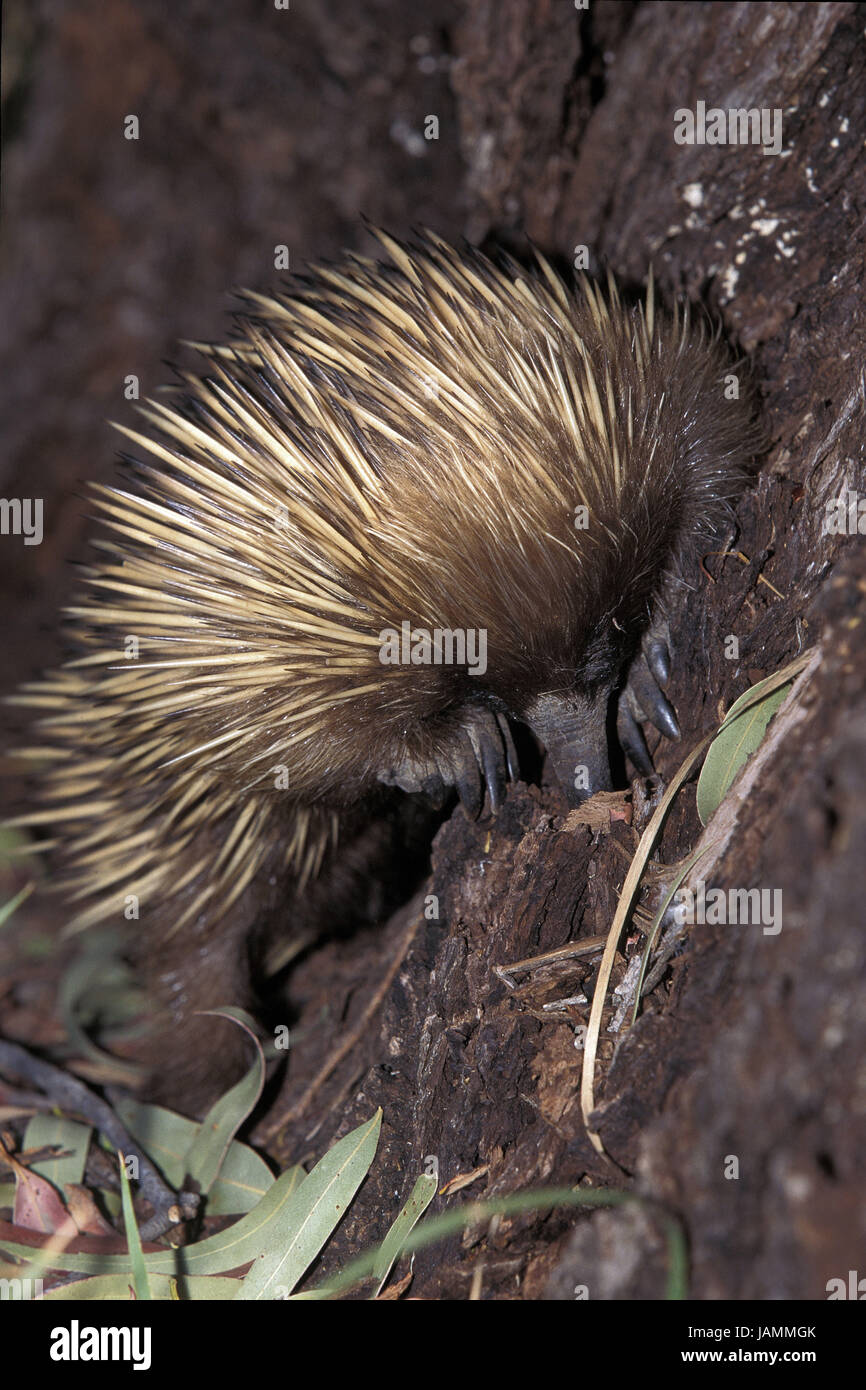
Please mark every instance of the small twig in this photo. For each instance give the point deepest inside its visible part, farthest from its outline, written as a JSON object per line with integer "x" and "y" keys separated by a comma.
{"x": 587, "y": 946}
{"x": 560, "y": 1005}
{"x": 670, "y": 944}
{"x": 71, "y": 1095}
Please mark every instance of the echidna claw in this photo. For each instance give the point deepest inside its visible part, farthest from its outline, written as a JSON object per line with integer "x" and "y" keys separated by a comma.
{"x": 511, "y": 760}
{"x": 477, "y": 753}
{"x": 632, "y": 741}
{"x": 658, "y": 657}
{"x": 642, "y": 700}
{"x": 486, "y": 737}
{"x": 465, "y": 757}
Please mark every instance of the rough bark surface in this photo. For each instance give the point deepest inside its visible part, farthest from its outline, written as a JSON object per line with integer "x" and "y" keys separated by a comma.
{"x": 555, "y": 125}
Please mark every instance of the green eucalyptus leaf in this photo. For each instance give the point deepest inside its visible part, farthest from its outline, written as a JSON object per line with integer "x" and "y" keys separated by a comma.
{"x": 734, "y": 744}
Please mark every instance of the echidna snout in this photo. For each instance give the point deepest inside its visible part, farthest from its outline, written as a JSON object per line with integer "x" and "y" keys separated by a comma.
{"x": 573, "y": 729}
{"x": 576, "y": 728}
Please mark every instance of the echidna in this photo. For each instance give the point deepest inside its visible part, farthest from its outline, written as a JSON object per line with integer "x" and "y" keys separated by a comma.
{"x": 407, "y": 504}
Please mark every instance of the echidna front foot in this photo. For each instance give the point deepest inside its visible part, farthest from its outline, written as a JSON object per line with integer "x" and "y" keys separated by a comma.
{"x": 477, "y": 752}
{"x": 643, "y": 699}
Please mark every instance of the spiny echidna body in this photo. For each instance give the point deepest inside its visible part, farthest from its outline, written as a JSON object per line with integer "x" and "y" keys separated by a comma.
{"x": 436, "y": 446}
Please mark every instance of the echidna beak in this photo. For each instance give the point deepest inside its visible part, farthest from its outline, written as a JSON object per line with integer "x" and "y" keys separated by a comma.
{"x": 573, "y": 729}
